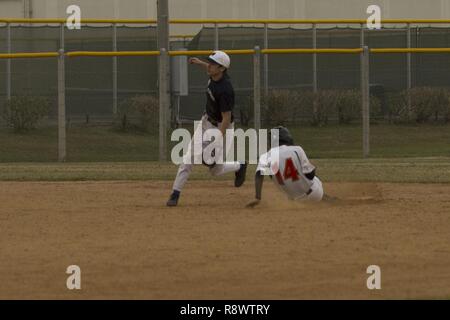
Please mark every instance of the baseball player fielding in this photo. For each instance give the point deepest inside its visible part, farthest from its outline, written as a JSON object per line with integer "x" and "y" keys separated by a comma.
{"x": 218, "y": 114}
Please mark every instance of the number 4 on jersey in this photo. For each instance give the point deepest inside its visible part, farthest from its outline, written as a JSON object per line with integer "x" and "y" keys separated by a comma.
{"x": 290, "y": 172}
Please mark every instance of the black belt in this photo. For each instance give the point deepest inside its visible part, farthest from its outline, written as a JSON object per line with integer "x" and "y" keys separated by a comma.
{"x": 213, "y": 122}
{"x": 309, "y": 192}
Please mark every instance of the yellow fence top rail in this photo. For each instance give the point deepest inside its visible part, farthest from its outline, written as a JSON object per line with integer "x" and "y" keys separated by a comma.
{"x": 293, "y": 51}
{"x": 304, "y": 21}
{"x": 416, "y": 21}
{"x": 411, "y": 50}
{"x": 229, "y": 21}
{"x": 83, "y": 21}
{"x": 208, "y": 52}
{"x": 28, "y": 55}
{"x": 111, "y": 53}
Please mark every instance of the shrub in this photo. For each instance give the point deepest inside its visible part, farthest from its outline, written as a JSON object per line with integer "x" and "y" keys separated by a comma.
{"x": 285, "y": 107}
{"x": 246, "y": 110}
{"x": 23, "y": 113}
{"x": 447, "y": 109}
{"x": 280, "y": 107}
{"x": 138, "y": 113}
{"x": 398, "y": 111}
{"x": 375, "y": 108}
{"x": 349, "y": 106}
{"x": 323, "y": 105}
{"x": 427, "y": 104}
{"x": 442, "y": 104}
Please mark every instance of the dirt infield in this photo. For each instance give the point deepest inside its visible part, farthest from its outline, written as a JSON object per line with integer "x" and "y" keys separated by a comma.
{"x": 129, "y": 245}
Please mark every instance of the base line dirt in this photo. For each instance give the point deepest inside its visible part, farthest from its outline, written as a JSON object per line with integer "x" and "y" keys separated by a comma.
{"x": 129, "y": 245}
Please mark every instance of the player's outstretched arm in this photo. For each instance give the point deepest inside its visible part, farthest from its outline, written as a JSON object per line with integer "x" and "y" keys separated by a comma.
{"x": 199, "y": 62}
{"x": 259, "y": 179}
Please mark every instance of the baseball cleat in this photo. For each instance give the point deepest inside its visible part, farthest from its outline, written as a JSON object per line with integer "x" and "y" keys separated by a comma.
{"x": 240, "y": 175}
{"x": 173, "y": 200}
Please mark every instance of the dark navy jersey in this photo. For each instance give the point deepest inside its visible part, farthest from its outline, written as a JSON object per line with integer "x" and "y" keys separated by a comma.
{"x": 219, "y": 98}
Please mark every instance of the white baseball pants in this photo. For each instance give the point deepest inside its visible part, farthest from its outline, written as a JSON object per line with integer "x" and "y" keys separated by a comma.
{"x": 185, "y": 169}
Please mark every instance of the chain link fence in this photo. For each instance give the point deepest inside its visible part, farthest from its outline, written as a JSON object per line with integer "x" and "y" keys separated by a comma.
{"x": 90, "y": 98}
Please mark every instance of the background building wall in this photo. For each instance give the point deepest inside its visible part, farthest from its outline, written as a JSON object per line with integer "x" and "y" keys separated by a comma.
{"x": 235, "y": 9}
{"x": 89, "y": 84}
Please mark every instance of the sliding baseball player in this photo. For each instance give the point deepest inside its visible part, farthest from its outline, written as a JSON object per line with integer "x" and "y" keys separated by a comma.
{"x": 290, "y": 170}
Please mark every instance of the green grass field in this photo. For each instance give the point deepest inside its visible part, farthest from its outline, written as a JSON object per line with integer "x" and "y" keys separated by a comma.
{"x": 398, "y": 154}
{"x": 98, "y": 144}
{"x": 416, "y": 170}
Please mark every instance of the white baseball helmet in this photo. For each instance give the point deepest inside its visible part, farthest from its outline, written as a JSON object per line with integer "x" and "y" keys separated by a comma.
{"x": 221, "y": 58}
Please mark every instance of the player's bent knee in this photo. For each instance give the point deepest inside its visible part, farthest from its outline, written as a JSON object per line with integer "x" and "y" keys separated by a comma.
{"x": 317, "y": 191}
{"x": 185, "y": 168}
{"x": 316, "y": 196}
